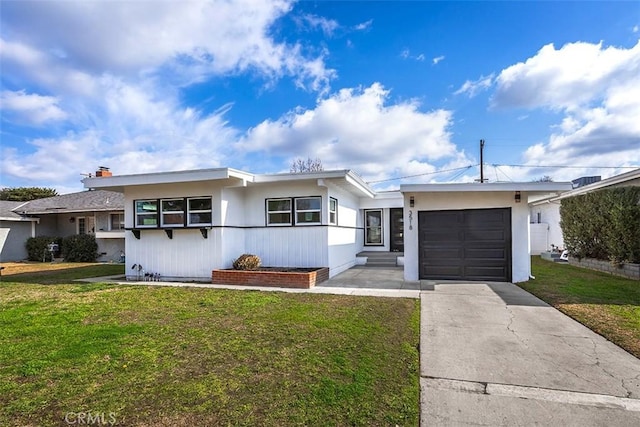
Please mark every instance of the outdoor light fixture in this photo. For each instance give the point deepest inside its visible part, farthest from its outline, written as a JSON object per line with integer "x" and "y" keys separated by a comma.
{"x": 412, "y": 201}
{"x": 517, "y": 197}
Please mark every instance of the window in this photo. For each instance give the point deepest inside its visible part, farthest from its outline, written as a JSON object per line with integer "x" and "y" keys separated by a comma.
{"x": 173, "y": 213}
{"x": 333, "y": 211}
{"x": 373, "y": 227}
{"x": 82, "y": 226}
{"x": 279, "y": 212}
{"x": 146, "y": 213}
{"x": 308, "y": 210}
{"x": 199, "y": 211}
{"x": 116, "y": 222}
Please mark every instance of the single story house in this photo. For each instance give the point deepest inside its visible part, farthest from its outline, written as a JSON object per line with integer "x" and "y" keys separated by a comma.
{"x": 100, "y": 213}
{"x": 183, "y": 224}
{"x": 15, "y": 229}
{"x": 545, "y": 211}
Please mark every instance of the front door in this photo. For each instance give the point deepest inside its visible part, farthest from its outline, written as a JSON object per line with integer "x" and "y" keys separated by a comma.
{"x": 397, "y": 229}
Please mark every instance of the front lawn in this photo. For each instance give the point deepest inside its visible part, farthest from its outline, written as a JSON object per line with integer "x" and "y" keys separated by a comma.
{"x": 166, "y": 356}
{"x": 607, "y": 304}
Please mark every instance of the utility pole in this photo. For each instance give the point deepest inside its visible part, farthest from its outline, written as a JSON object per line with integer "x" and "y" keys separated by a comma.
{"x": 481, "y": 161}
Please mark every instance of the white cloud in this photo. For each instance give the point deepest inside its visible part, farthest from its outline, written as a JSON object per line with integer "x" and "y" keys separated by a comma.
{"x": 472, "y": 88}
{"x": 328, "y": 26}
{"x": 355, "y": 128}
{"x": 596, "y": 89}
{"x": 437, "y": 59}
{"x": 30, "y": 108}
{"x": 213, "y": 37}
{"x": 364, "y": 25}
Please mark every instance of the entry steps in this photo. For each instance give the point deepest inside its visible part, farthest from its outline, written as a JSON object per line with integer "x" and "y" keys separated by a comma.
{"x": 380, "y": 259}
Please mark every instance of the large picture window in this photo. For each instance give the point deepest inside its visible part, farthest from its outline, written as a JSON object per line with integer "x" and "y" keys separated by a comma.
{"x": 146, "y": 213}
{"x": 279, "y": 212}
{"x": 199, "y": 211}
{"x": 308, "y": 210}
{"x": 373, "y": 227}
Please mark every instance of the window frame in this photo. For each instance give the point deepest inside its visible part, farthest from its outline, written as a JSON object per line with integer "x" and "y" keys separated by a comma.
{"x": 368, "y": 227}
{"x": 269, "y": 212}
{"x": 164, "y": 213}
{"x": 137, "y": 214}
{"x": 296, "y": 210}
{"x": 199, "y": 211}
{"x": 120, "y": 221}
{"x": 334, "y": 211}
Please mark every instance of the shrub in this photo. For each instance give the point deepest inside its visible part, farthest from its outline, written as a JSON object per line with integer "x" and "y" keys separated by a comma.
{"x": 604, "y": 225}
{"x": 247, "y": 262}
{"x": 80, "y": 248}
{"x": 38, "y": 250}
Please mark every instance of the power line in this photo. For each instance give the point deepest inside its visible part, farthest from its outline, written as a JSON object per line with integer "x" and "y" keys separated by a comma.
{"x": 421, "y": 174}
{"x": 569, "y": 167}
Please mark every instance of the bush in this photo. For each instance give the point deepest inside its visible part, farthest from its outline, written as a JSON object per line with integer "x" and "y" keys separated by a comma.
{"x": 247, "y": 262}
{"x": 604, "y": 225}
{"x": 38, "y": 250}
{"x": 80, "y": 248}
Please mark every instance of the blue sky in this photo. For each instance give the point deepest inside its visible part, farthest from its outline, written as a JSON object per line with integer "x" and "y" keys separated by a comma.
{"x": 388, "y": 89}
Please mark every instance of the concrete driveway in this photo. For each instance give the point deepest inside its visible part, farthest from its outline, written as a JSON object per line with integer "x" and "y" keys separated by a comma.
{"x": 492, "y": 354}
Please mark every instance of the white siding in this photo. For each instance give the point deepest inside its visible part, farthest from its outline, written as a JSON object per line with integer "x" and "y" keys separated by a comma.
{"x": 289, "y": 246}
{"x": 539, "y": 238}
{"x": 187, "y": 256}
{"x": 521, "y": 261}
{"x": 549, "y": 214}
{"x": 344, "y": 240}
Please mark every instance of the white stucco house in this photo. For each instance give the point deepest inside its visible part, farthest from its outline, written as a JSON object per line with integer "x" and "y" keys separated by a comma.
{"x": 184, "y": 224}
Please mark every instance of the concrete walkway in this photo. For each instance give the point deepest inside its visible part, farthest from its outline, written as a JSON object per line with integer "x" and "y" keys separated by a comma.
{"x": 492, "y": 354}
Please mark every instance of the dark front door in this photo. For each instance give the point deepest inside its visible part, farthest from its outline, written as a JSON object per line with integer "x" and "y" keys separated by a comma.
{"x": 465, "y": 244}
{"x": 397, "y": 229}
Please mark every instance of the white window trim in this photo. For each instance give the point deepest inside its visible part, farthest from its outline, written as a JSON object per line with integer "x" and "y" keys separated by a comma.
{"x": 334, "y": 211}
{"x": 163, "y": 213}
{"x": 296, "y": 211}
{"x": 120, "y": 215}
{"x": 136, "y": 214}
{"x": 289, "y": 211}
{"x": 195, "y": 211}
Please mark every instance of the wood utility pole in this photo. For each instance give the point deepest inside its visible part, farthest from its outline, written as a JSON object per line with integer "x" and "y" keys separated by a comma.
{"x": 481, "y": 161}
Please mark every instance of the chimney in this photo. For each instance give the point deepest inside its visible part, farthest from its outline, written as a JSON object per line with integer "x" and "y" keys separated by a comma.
{"x": 103, "y": 171}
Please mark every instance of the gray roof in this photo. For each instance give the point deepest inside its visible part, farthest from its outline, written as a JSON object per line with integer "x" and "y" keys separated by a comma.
{"x": 6, "y": 211}
{"x": 84, "y": 201}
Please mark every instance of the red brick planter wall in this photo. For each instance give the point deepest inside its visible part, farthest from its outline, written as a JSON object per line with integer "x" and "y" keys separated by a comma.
{"x": 281, "y": 279}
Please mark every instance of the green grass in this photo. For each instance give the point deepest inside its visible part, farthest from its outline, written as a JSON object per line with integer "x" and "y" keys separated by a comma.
{"x": 607, "y": 304}
{"x": 188, "y": 356}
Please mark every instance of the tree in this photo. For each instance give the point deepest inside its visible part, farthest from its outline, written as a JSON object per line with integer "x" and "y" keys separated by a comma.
{"x": 309, "y": 165}
{"x": 545, "y": 178}
{"x": 25, "y": 194}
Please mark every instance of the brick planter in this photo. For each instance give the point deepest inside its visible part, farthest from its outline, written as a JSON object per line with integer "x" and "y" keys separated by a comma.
{"x": 304, "y": 278}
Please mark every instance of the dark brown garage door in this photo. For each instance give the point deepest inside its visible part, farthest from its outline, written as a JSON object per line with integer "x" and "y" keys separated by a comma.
{"x": 470, "y": 244}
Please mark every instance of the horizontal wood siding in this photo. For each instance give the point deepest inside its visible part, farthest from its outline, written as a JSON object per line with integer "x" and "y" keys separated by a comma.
{"x": 288, "y": 246}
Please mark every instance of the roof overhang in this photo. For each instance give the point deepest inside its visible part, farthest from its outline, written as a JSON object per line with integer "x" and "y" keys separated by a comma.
{"x": 345, "y": 179}
{"x": 118, "y": 182}
{"x": 529, "y": 187}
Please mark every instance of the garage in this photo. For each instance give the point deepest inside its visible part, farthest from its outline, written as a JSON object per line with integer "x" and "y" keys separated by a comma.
{"x": 471, "y": 244}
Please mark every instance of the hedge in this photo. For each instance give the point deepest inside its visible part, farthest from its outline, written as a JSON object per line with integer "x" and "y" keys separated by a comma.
{"x": 78, "y": 248}
{"x": 603, "y": 225}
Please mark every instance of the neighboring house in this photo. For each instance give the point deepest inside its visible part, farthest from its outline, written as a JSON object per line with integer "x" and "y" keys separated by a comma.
{"x": 184, "y": 224}
{"x": 15, "y": 229}
{"x": 100, "y": 213}
{"x": 545, "y": 212}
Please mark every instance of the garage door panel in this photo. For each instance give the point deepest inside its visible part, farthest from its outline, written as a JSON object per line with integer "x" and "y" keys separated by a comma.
{"x": 468, "y": 244}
